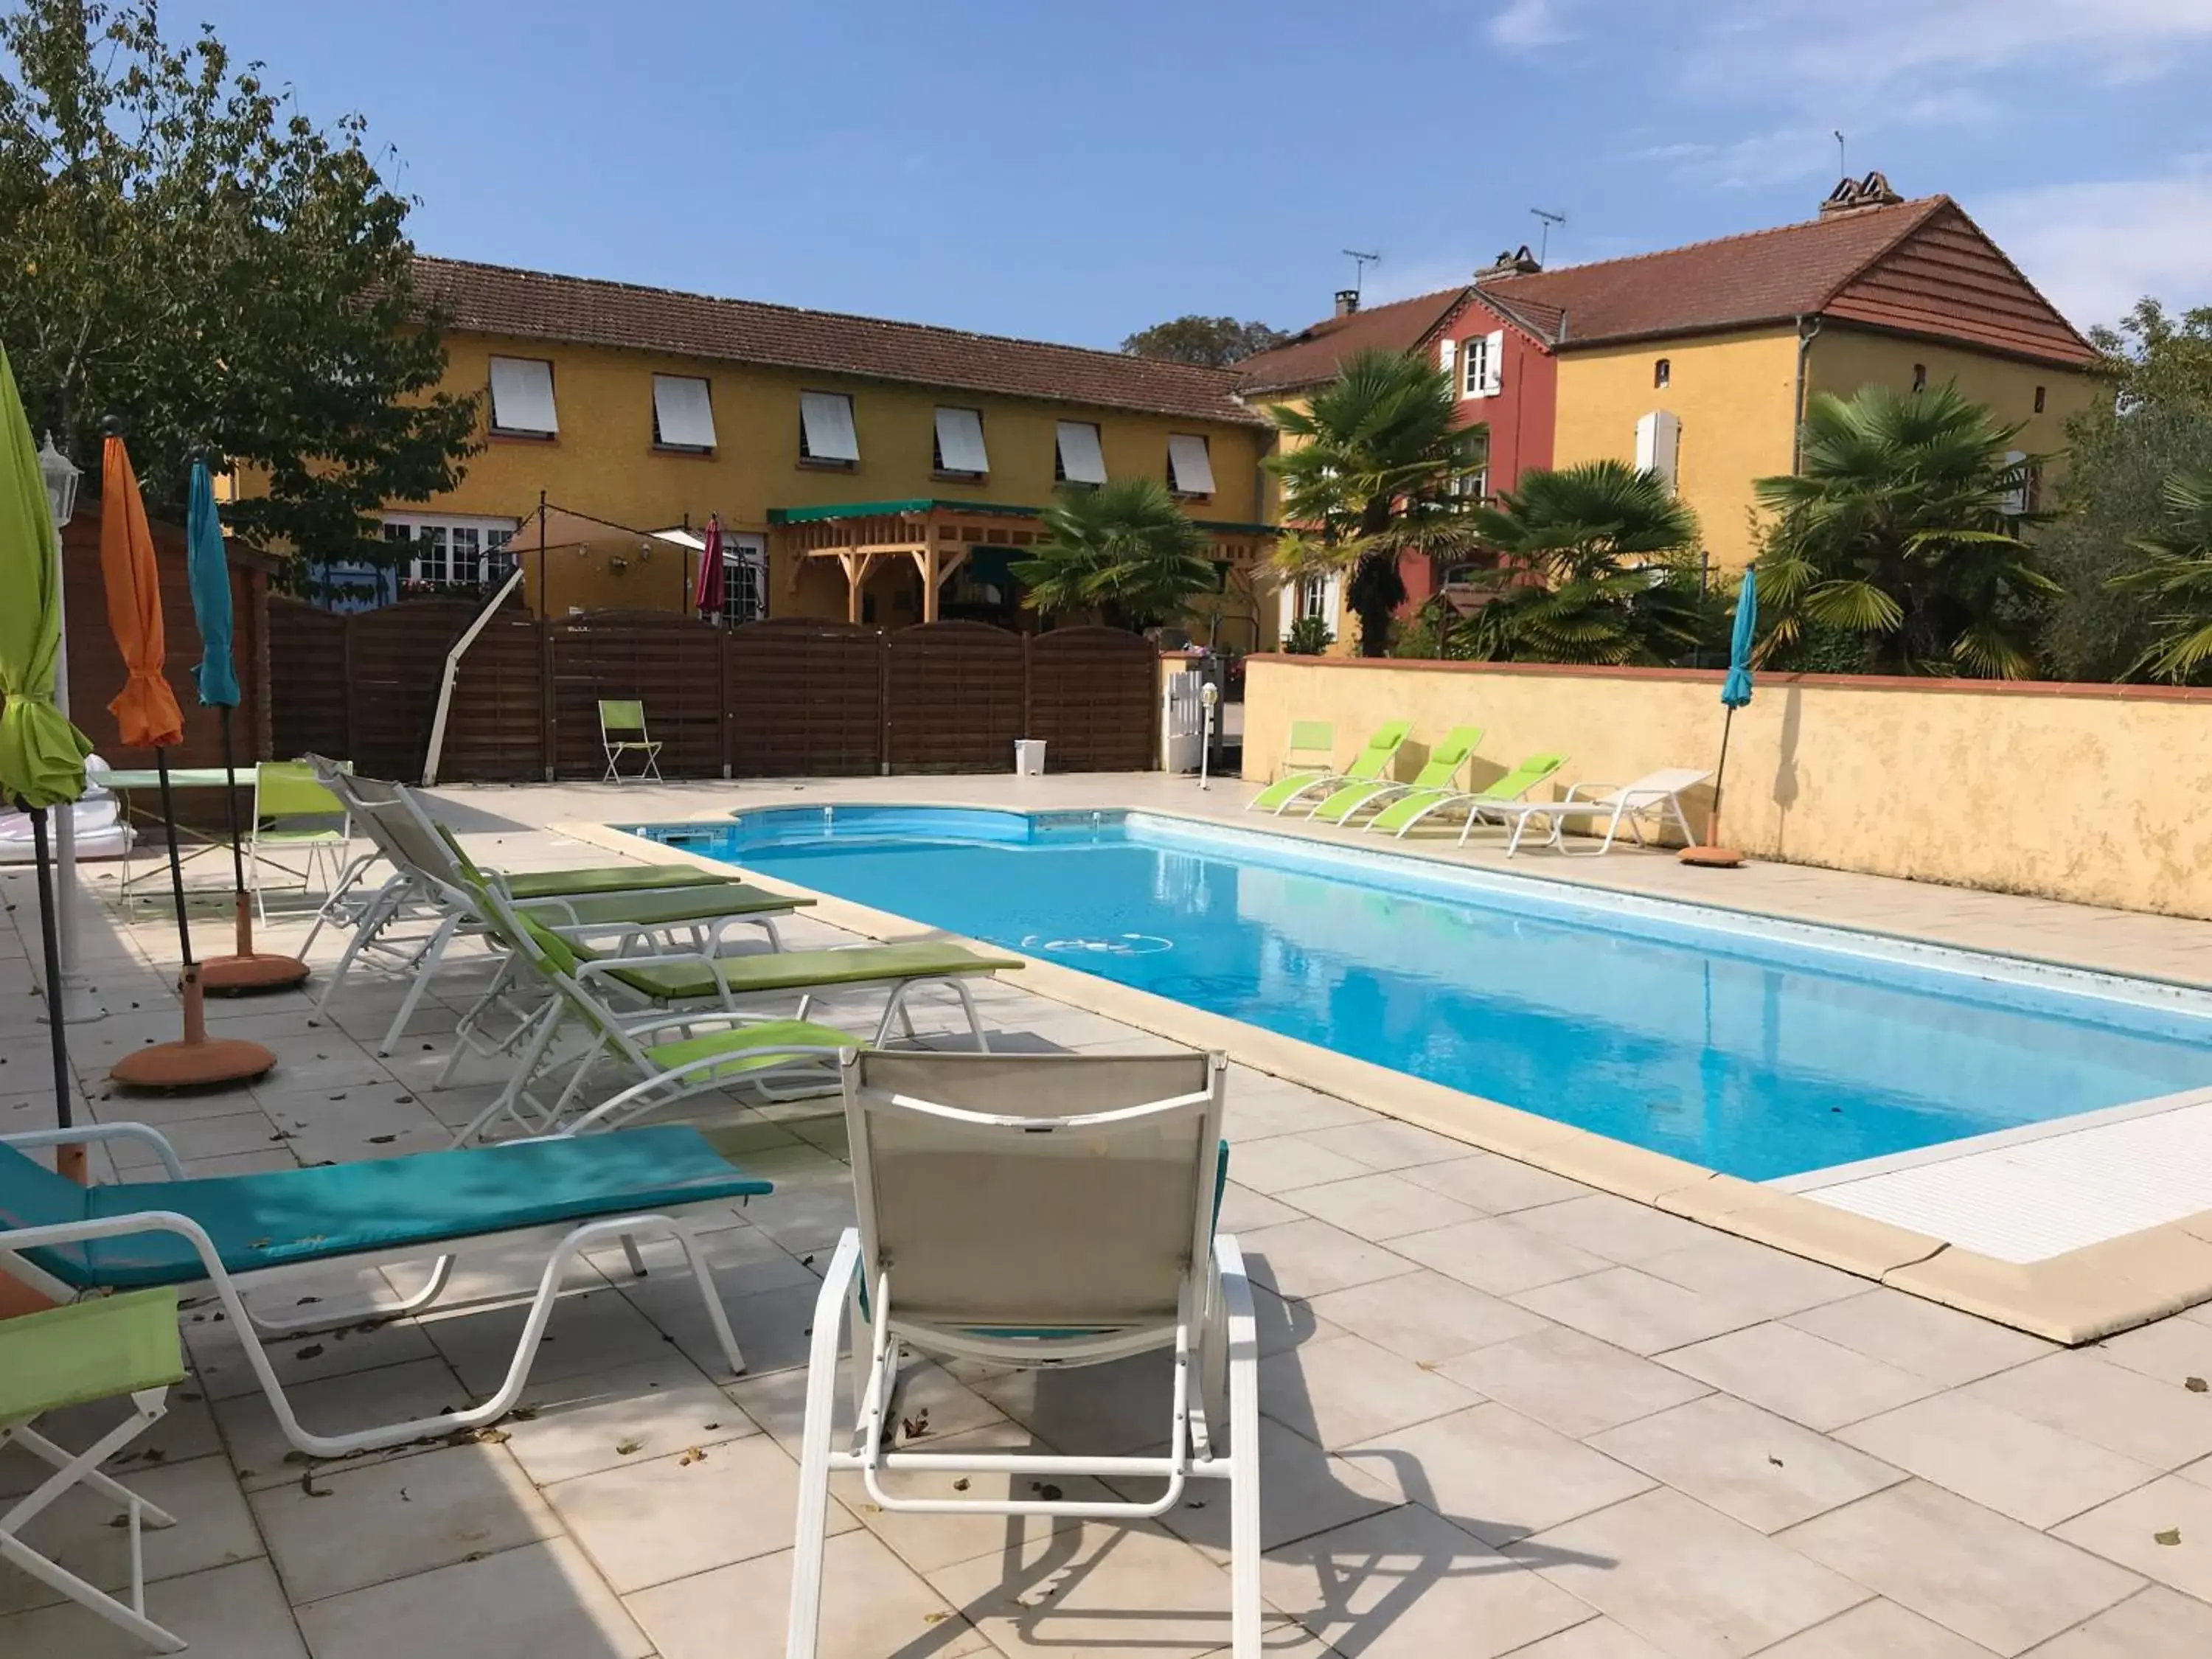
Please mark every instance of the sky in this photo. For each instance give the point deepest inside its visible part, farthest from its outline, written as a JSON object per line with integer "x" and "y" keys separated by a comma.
{"x": 1075, "y": 173}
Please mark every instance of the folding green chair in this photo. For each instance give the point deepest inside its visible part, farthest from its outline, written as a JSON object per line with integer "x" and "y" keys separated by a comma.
{"x": 1370, "y": 765}
{"x": 616, "y": 720}
{"x": 1403, "y": 814}
{"x": 77, "y": 1355}
{"x": 293, "y": 813}
{"x": 1440, "y": 772}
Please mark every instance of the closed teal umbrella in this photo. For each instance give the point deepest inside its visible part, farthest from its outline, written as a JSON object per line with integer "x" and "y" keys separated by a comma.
{"x": 1735, "y": 692}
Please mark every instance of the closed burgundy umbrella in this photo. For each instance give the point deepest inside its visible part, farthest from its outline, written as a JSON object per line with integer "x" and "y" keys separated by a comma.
{"x": 707, "y": 595}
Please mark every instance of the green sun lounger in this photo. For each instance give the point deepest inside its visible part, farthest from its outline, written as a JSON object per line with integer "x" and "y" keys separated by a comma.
{"x": 1440, "y": 770}
{"x": 690, "y": 978}
{"x": 566, "y": 1195}
{"x": 1372, "y": 765}
{"x": 1403, "y": 813}
{"x": 523, "y": 886}
{"x": 76, "y": 1355}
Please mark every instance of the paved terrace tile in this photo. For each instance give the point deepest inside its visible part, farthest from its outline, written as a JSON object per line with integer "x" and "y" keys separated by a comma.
{"x": 1530, "y": 1420}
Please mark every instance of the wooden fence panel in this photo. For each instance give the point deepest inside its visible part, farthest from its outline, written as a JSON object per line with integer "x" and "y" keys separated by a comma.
{"x": 397, "y": 659}
{"x": 672, "y": 663}
{"x": 955, "y": 691}
{"x": 1092, "y": 697}
{"x": 806, "y": 699}
{"x": 495, "y": 729}
{"x": 309, "y": 712}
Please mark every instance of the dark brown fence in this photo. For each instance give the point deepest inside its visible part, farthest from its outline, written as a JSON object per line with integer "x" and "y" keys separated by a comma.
{"x": 788, "y": 698}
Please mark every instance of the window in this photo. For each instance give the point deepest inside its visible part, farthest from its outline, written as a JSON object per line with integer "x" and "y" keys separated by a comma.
{"x": 522, "y": 398}
{"x": 744, "y": 578}
{"x": 1663, "y": 374}
{"x": 1659, "y": 446}
{"x": 683, "y": 413}
{"x": 465, "y": 552}
{"x": 1482, "y": 364}
{"x": 958, "y": 448}
{"x": 2028, "y": 483}
{"x": 2039, "y": 401}
{"x": 1473, "y": 484}
{"x": 826, "y": 437}
{"x": 1314, "y": 597}
{"x": 1190, "y": 469}
{"x": 1078, "y": 458}
{"x": 1920, "y": 377}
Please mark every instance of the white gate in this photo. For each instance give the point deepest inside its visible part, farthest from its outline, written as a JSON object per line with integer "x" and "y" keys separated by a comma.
{"x": 1182, "y": 728}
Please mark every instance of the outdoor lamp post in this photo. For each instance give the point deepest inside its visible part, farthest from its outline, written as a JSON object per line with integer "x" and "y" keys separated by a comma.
{"x": 61, "y": 481}
{"x": 1208, "y": 695}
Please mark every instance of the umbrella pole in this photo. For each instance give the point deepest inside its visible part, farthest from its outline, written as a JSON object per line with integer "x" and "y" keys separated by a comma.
{"x": 249, "y": 969}
{"x": 1712, "y": 852}
{"x": 176, "y": 860}
{"x": 1720, "y": 772}
{"x": 237, "y": 855}
{"x": 68, "y": 1159}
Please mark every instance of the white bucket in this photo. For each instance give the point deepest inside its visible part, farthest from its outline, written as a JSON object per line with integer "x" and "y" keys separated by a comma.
{"x": 1028, "y": 757}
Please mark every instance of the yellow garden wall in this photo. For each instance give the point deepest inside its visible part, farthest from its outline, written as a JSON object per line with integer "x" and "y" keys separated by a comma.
{"x": 2094, "y": 794}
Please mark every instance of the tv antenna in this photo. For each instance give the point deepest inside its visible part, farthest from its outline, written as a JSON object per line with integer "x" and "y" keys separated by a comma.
{"x": 1360, "y": 263}
{"x": 1544, "y": 236}
{"x": 1843, "y": 157}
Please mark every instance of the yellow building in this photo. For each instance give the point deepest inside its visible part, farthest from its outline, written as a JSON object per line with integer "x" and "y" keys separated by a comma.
{"x": 882, "y": 471}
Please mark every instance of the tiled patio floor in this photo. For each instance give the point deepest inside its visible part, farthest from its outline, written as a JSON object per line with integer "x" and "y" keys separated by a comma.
{"x": 1503, "y": 1413}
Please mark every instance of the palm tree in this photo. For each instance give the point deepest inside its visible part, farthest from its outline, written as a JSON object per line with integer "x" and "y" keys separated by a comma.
{"x": 1599, "y": 570}
{"x": 2178, "y": 579}
{"x": 1375, "y": 452}
{"x": 1124, "y": 552}
{"x": 1901, "y": 526}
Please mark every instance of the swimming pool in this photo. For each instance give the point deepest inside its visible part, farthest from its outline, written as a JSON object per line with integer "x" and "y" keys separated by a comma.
{"x": 1758, "y": 1049}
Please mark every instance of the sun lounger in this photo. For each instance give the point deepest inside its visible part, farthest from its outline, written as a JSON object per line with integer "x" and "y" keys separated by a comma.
{"x": 1440, "y": 772}
{"x": 1035, "y": 1211}
{"x": 232, "y": 1233}
{"x": 1371, "y": 764}
{"x": 1657, "y": 796}
{"x": 1403, "y": 814}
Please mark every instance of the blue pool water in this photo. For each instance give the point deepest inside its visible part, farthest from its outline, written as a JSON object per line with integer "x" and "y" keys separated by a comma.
{"x": 1758, "y": 1056}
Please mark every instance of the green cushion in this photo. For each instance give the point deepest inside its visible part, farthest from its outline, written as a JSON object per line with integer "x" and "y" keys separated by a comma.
{"x": 741, "y": 1044}
{"x": 88, "y": 1351}
{"x": 612, "y": 879}
{"x": 812, "y": 970}
{"x": 289, "y": 1216}
{"x": 664, "y": 908}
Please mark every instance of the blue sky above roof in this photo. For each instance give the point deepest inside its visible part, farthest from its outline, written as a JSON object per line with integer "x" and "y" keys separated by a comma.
{"x": 1076, "y": 173}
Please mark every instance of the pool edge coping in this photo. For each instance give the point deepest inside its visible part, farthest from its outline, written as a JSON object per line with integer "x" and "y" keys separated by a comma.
{"x": 2071, "y": 1298}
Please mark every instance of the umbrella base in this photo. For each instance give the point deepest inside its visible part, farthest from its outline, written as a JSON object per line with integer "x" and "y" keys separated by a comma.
{"x": 188, "y": 1065}
{"x": 1711, "y": 858}
{"x": 256, "y": 971}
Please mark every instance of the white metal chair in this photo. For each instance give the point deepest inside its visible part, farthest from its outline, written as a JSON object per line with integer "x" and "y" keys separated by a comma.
{"x": 1036, "y": 1210}
{"x": 1654, "y": 799}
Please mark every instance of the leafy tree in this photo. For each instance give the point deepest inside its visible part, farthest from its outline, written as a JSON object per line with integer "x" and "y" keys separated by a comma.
{"x": 1207, "y": 342}
{"x": 185, "y": 252}
{"x": 1901, "y": 526}
{"x": 2177, "y": 583}
{"x": 2153, "y": 360}
{"x": 1374, "y": 457}
{"x": 1600, "y": 568}
{"x": 1124, "y": 552}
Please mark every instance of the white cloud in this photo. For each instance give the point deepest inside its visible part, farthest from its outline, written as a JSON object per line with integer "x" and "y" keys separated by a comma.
{"x": 1528, "y": 23}
{"x": 1765, "y": 158}
{"x": 2095, "y": 249}
{"x": 1391, "y": 279}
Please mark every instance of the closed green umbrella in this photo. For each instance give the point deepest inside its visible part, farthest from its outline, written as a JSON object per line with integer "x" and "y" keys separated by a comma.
{"x": 1735, "y": 693}
{"x": 41, "y": 754}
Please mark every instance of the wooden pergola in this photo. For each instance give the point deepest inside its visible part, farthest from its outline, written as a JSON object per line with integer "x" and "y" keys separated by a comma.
{"x": 938, "y": 535}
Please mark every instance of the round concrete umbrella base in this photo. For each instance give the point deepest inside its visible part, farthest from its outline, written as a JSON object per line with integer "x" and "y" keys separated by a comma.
{"x": 1711, "y": 858}
{"x": 191, "y": 1065}
{"x": 244, "y": 975}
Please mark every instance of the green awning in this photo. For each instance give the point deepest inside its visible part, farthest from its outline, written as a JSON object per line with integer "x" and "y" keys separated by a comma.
{"x": 895, "y": 509}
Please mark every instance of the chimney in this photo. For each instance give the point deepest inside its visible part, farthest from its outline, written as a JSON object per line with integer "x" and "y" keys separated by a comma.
{"x": 1347, "y": 301}
{"x": 1519, "y": 263}
{"x": 1857, "y": 195}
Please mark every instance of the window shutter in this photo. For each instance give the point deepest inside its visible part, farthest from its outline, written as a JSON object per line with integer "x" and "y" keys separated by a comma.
{"x": 1659, "y": 446}
{"x": 2015, "y": 500}
{"x": 1190, "y": 469}
{"x": 522, "y": 397}
{"x": 827, "y": 419}
{"x": 1447, "y": 354}
{"x": 960, "y": 441}
{"x": 682, "y": 413}
{"x": 1081, "y": 458}
{"x": 1289, "y": 609}
{"x": 1493, "y": 363}
{"x": 1332, "y": 602}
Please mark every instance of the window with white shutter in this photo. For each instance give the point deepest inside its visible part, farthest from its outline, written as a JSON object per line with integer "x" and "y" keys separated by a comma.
{"x": 1447, "y": 354}
{"x": 825, "y": 429}
{"x": 959, "y": 447}
{"x": 1493, "y": 362}
{"x": 1078, "y": 457}
{"x": 522, "y": 398}
{"x": 682, "y": 413}
{"x": 1659, "y": 446}
{"x": 1190, "y": 469}
{"x": 1473, "y": 366}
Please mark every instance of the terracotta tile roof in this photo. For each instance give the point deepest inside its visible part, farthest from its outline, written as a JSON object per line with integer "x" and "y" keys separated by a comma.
{"x": 1314, "y": 353}
{"x": 532, "y": 305}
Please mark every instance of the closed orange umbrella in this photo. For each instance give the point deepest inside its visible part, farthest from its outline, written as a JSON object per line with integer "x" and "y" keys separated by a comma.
{"x": 146, "y": 708}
